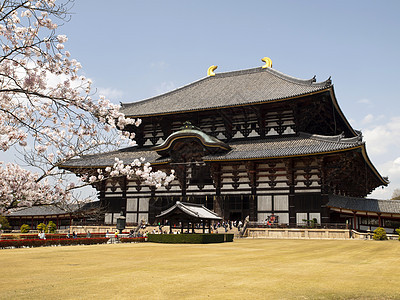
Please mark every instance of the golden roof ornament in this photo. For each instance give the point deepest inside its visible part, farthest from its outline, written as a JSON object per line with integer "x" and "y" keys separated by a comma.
{"x": 268, "y": 62}
{"x": 210, "y": 71}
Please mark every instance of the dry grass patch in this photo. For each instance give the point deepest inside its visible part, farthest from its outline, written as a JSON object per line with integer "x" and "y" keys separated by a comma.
{"x": 275, "y": 269}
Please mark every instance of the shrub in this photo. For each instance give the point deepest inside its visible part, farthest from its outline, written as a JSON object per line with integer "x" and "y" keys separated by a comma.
{"x": 4, "y": 223}
{"x": 380, "y": 234}
{"x": 42, "y": 227}
{"x": 51, "y": 227}
{"x": 398, "y": 232}
{"x": 132, "y": 240}
{"x": 25, "y": 228}
{"x": 190, "y": 238}
{"x": 51, "y": 242}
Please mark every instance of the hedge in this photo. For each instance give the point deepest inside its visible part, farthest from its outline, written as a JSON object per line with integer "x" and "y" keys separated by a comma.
{"x": 190, "y": 238}
{"x": 51, "y": 242}
{"x": 132, "y": 240}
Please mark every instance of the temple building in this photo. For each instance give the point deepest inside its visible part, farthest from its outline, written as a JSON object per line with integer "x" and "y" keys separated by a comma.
{"x": 253, "y": 142}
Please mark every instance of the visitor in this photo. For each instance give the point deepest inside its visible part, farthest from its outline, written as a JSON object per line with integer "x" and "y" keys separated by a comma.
{"x": 159, "y": 226}
{"x": 272, "y": 219}
{"x": 88, "y": 235}
{"x": 74, "y": 235}
{"x": 68, "y": 235}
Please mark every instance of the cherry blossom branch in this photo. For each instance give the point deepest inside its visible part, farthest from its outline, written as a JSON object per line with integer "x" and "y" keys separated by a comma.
{"x": 47, "y": 112}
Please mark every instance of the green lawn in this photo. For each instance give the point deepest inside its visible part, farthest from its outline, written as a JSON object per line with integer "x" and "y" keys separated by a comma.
{"x": 247, "y": 268}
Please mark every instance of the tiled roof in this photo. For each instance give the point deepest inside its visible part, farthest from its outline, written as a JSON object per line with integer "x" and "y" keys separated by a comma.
{"x": 364, "y": 204}
{"x": 127, "y": 155}
{"x": 251, "y": 149}
{"x": 47, "y": 210}
{"x": 224, "y": 90}
{"x": 42, "y": 210}
{"x": 289, "y": 146}
{"x": 192, "y": 210}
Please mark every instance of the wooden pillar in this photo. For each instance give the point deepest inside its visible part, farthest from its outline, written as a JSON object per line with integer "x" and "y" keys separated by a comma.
{"x": 355, "y": 227}
{"x": 204, "y": 226}
{"x": 380, "y": 220}
{"x": 218, "y": 205}
{"x": 252, "y": 174}
{"x": 289, "y": 164}
{"x": 325, "y": 212}
{"x": 192, "y": 227}
{"x": 216, "y": 176}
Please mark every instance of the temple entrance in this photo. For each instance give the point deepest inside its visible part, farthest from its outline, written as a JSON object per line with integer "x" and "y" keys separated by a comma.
{"x": 236, "y": 207}
{"x": 236, "y": 216}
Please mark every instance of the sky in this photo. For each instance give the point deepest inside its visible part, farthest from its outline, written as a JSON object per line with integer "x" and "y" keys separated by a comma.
{"x": 134, "y": 50}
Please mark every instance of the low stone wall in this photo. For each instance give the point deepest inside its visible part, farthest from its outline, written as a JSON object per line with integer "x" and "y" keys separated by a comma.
{"x": 297, "y": 233}
{"x": 369, "y": 235}
{"x": 85, "y": 229}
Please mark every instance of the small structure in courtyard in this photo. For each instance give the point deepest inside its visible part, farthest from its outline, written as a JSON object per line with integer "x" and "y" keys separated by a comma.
{"x": 188, "y": 215}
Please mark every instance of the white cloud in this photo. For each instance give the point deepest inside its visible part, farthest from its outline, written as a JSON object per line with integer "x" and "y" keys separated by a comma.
{"x": 383, "y": 138}
{"x": 392, "y": 170}
{"x": 382, "y": 193}
{"x": 164, "y": 87}
{"x": 383, "y": 146}
{"x": 378, "y": 140}
{"x": 368, "y": 119}
{"x": 365, "y": 101}
{"x": 158, "y": 65}
{"x": 110, "y": 93}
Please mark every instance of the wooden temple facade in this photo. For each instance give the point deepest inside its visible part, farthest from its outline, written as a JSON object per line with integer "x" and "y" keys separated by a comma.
{"x": 244, "y": 143}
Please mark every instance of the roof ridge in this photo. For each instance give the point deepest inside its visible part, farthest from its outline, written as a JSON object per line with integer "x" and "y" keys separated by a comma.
{"x": 190, "y": 204}
{"x": 283, "y": 76}
{"x": 308, "y": 82}
{"x": 167, "y": 93}
{"x": 339, "y": 138}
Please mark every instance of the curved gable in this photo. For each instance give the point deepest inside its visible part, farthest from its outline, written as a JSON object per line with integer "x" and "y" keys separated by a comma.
{"x": 190, "y": 133}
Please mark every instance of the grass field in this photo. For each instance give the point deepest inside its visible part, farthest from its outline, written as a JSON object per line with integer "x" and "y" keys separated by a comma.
{"x": 247, "y": 268}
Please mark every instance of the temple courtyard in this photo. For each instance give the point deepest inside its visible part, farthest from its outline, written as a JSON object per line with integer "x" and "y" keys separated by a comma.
{"x": 252, "y": 268}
